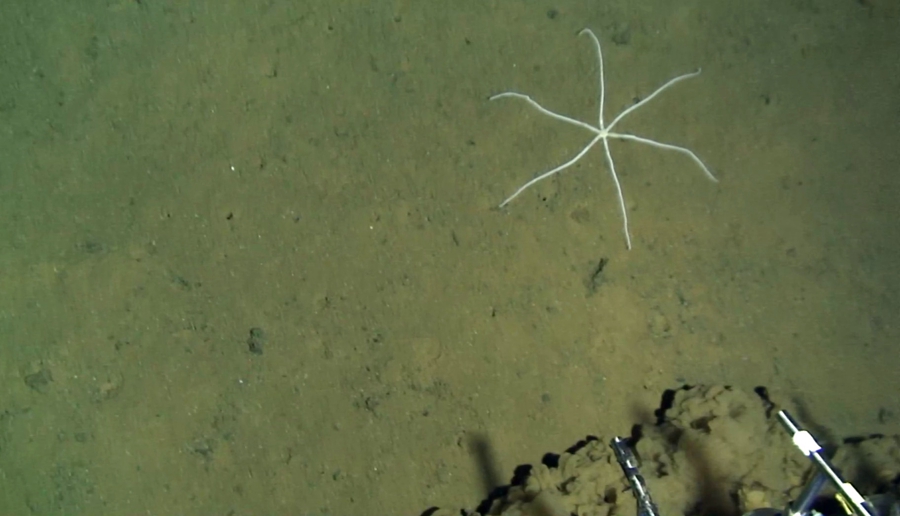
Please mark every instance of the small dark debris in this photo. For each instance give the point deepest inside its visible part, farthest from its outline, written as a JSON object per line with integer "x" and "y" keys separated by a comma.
{"x": 202, "y": 447}
{"x": 595, "y": 278}
{"x": 763, "y": 394}
{"x": 371, "y": 403}
{"x": 183, "y": 283}
{"x": 622, "y": 34}
{"x": 256, "y": 340}
{"x": 552, "y": 13}
{"x": 92, "y": 247}
{"x": 39, "y": 381}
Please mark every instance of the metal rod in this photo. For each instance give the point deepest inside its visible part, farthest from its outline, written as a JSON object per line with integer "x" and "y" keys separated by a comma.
{"x": 806, "y": 443}
{"x": 630, "y": 466}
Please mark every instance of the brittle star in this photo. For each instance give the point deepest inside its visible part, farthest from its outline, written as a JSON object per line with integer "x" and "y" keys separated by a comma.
{"x": 603, "y": 133}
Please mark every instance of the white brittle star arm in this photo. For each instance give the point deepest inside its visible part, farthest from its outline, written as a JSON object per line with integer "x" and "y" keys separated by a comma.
{"x": 543, "y": 110}
{"x": 647, "y": 99}
{"x": 549, "y": 173}
{"x": 669, "y": 146}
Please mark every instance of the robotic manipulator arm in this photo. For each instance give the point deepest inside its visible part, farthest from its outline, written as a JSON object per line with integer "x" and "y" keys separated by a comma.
{"x": 851, "y": 500}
